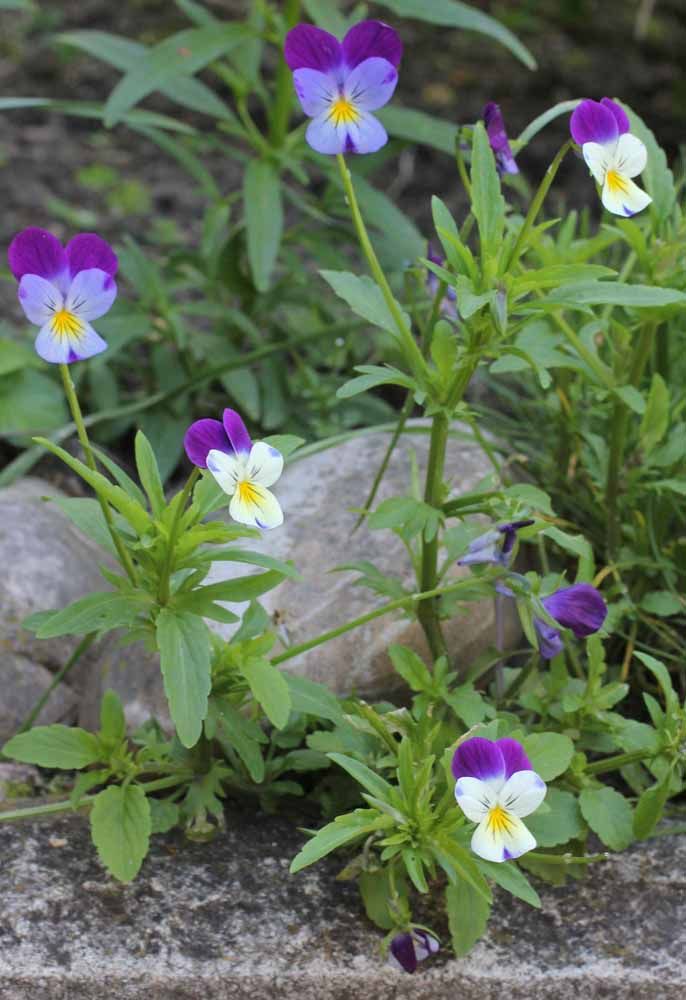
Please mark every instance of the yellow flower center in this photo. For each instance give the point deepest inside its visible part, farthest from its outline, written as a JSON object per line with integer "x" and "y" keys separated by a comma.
{"x": 248, "y": 492}
{"x": 343, "y": 111}
{"x": 499, "y": 821}
{"x": 616, "y": 182}
{"x": 66, "y": 324}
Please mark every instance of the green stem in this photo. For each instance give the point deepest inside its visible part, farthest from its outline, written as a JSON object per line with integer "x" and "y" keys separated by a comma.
{"x": 72, "y": 399}
{"x": 428, "y": 610}
{"x": 618, "y": 761}
{"x": 182, "y": 500}
{"x": 82, "y": 647}
{"x": 537, "y": 204}
{"x": 11, "y": 815}
{"x": 414, "y": 355}
{"x": 594, "y": 363}
{"x": 385, "y": 609}
{"x": 567, "y": 859}
{"x": 283, "y": 98}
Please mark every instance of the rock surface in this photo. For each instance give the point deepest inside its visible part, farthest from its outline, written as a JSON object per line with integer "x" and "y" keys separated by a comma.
{"x": 319, "y": 495}
{"x": 227, "y": 922}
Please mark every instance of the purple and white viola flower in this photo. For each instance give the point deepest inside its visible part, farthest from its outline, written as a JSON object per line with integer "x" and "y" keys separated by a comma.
{"x": 61, "y": 289}
{"x": 410, "y": 948}
{"x": 242, "y": 469}
{"x": 495, "y": 546}
{"x": 612, "y": 154}
{"x": 495, "y": 788}
{"x": 339, "y": 83}
{"x": 580, "y": 608}
{"x": 449, "y": 301}
{"x": 499, "y": 142}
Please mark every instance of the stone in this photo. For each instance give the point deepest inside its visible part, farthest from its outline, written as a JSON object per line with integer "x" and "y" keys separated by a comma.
{"x": 319, "y": 495}
{"x": 225, "y": 921}
{"x": 23, "y": 682}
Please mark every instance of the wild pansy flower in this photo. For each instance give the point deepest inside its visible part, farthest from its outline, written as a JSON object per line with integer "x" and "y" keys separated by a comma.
{"x": 62, "y": 288}
{"x": 579, "y": 608}
{"x": 410, "y": 948}
{"x": 497, "y": 137}
{"x": 449, "y": 302}
{"x": 495, "y": 788}
{"x": 494, "y": 546}
{"x": 612, "y": 154}
{"x": 242, "y": 469}
{"x": 339, "y": 83}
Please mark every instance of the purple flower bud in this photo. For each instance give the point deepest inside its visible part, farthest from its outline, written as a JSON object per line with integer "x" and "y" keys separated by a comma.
{"x": 494, "y": 546}
{"x": 579, "y": 608}
{"x": 549, "y": 639}
{"x": 410, "y": 948}
{"x": 497, "y": 137}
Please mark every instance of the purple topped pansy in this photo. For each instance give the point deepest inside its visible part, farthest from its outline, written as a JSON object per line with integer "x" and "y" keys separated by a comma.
{"x": 339, "y": 83}
{"x": 242, "y": 469}
{"x": 580, "y": 608}
{"x": 62, "y": 288}
{"x": 410, "y": 948}
{"x": 499, "y": 142}
{"x": 495, "y": 546}
{"x": 612, "y": 154}
{"x": 495, "y": 787}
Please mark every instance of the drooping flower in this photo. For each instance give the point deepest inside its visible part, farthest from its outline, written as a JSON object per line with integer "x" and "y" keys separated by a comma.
{"x": 494, "y": 546}
{"x": 62, "y": 288}
{"x": 449, "y": 302}
{"x": 410, "y": 948}
{"x": 242, "y": 469}
{"x": 612, "y": 154}
{"x": 339, "y": 83}
{"x": 497, "y": 137}
{"x": 579, "y": 608}
{"x": 495, "y": 788}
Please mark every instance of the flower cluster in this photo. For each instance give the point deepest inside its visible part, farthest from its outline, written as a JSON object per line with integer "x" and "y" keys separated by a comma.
{"x": 495, "y": 787}
{"x": 339, "y": 83}
{"x": 62, "y": 288}
{"x": 242, "y": 469}
{"x": 612, "y": 154}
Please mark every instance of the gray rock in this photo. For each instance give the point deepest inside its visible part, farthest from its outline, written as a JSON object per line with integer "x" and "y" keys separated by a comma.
{"x": 227, "y": 922}
{"x": 23, "y": 682}
{"x": 319, "y": 495}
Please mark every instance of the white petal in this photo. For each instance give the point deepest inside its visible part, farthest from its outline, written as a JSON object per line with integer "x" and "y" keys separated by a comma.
{"x": 500, "y": 841}
{"x": 474, "y": 797}
{"x": 598, "y": 159}
{"x": 316, "y": 91}
{"x": 523, "y": 793}
{"x": 631, "y": 155}
{"x": 254, "y": 505}
{"x": 85, "y": 344}
{"x": 265, "y": 464}
{"x": 51, "y": 348}
{"x": 91, "y": 293}
{"x": 225, "y": 468}
{"x": 39, "y": 298}
{"x": 621, "y": 196}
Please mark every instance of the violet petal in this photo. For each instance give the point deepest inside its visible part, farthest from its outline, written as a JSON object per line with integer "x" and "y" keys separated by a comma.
{"x": 312, "y": 48}
{"x": 514, "y": 756}
{"x": 620, "y": 114}
{"x": 36, "y": 251}
{"x": 236, "y": 432}
{"x": 579, "y": 607}
{"x": 549, "y": 639}
{"x": 402, "y": 950}
{"x": 86, "y": 251}
{"x": 592, "y": 121}
{"x": 372, "y": 38}
{"x": 478, "y": 758}
{"x": 201, "y": 437}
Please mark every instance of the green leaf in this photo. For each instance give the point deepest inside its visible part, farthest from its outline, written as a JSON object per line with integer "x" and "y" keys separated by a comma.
{"x": 252, "y": 558}
{"x": 558, "y": 821}
{"x": 468, "y": 915}
{"x": 94, "y": 111}
{"x": 244, "y": 588}
{"x": 30, "y": 401}
{"x": 415, "y": 869}
{"x": 149, "y": 474}
{"x": 411, "y": 668}
{"x": 656, "y": 417}
{"x": 609, "y": 815}
{"x": 94, "y": 613}
{"x": 417, "y": 126}
{"x": 509, "y": 877}
{"x": 614, "y": 293}
{"x": 344, "y": 829}
{"x": 631, "y": 396}
{"x": 243, "y": 735}
{"x": 86, "y": 513}
{"x": 650, "y": 806}
{"x": 374, "y": 375}
{"x": 184, "y": 645}
{"x": 269, "y": 688}
{"x": 488, "y": 203}
{"x": 451, "y": 14}
{"x": 326, "y": 15}
{"x": 399, "y": 237}
{"x": 376, "y": 893}
{"x": 120, "y": 828}
{"x": 181, "y": 55}
{"x": 263, "y": 219}
{"x": 661, "y": 674}
{"x": 285, "y": 443}
{"x": 164, "y": 815}
{"x": 364, "y": 298}
{"x": 662, "y": 603}
{"x": 311, "y": 698}
{"x": 540, "y": 122}
{"x": 63, "y": 747}
{"x": 112, "y": 720}
{"x": 578, "y": 546}
{"x": 550, "y": 753}
{"x": 656, "y": 176}
{"x": 364, "y": 775}
{"x": 532, "y": 496}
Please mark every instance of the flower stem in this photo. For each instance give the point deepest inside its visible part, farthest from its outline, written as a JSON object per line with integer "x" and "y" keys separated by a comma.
{"x": 399, "y": 604}
{"x": 536, "y": 204}
{"x": 618, "y": 761}
{"x": 413, "y": 354}
{"x": 181, "y": 501}
{"x": 72, "y": 399}
{"x": 428, "y": 610}
{"x": 283, "y": 97}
